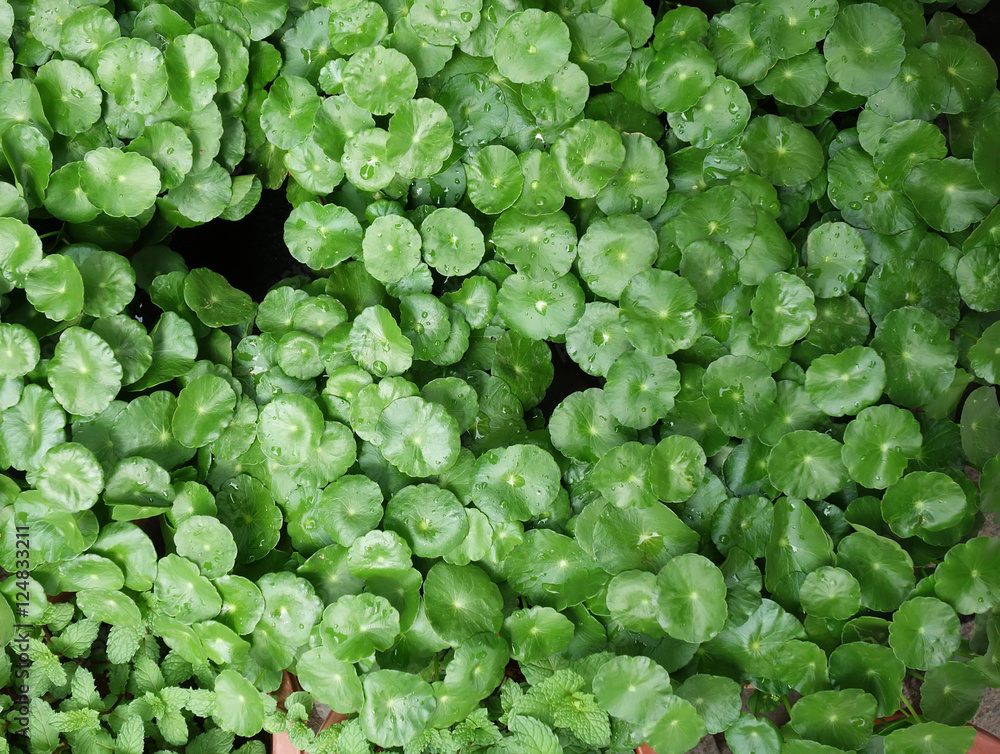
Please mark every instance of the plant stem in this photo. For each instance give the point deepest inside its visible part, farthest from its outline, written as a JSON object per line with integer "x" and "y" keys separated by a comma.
{"x": 890, "y": 727}
{"x": 912, "y": 711}
{"x": 788, "y": 704}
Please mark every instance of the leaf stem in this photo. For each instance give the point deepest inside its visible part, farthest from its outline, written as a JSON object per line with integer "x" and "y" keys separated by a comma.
{"x": 912, "y": 711}
{"x": 788, "y": 704}
{"x": 895, "y": 724}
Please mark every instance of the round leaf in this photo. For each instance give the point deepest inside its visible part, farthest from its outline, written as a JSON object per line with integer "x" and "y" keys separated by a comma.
{"x": 691, "y": 596}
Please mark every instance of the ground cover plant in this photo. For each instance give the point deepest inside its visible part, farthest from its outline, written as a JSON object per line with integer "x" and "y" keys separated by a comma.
{"x": 642, "y": 358}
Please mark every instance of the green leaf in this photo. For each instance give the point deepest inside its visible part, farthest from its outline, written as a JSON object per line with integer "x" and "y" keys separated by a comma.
{"x": 203, "y": 195}
{"x": 918, "y": 354}
{"x": 531, "y": 45}
{"x": 537, "y": 633}
{"x": 494, "y": 179}
{"x": 924, "y": 633}
{"x": 540, "y": 309}
{"x": 184, "y": 593}
{"x": 961, "y": 199}
{"x": 356, "y": 626}
{"x": 461, "y": 601}
{"x": 754, "y": 734}
{"x": 743, "y": 522}
{"x": 35, "y": 424}
{"x": 420, "y": 137}
{"x": 864, "y": 49}
{"x": 951, "y": 693}
{"x": 837, "y": 256}
{"x": 969, "y": 577}
{"x": 106, "y": 606}
{"x": 247, "y": 509}
{"x": 783, "y": 309}
{"x": 847, "y": 382}
{"x": 679, "y": 728}
{"x": 418, "y": 437}
{"x": 613, "y": 251}
{"x": 641, "y": 184}
{"x": 677, "y": 468}
{"x": 131, "y": 550}
{"x": 878, "y": 445}
{"x": 930, "y": 738}
{"x": 264, "y": 16}
{"x": 883, "y": 569}
{"x": 588, "y": 155}
{"x": 133, "y": 72}
{"x": 870, "y": 667}
{"x": 531, "y": 735}
{"x": 287, "y": 115}
{"x": 741, "y": 394}
{"x": 515, "y": 483}
{"x": 640, "y": 389}
{"x": 798, "y": 543}
{"x": 799, "y": 81}
{"x": 204, "y": 408}
{"x": 525, "y": 365}
{"x": 69, "y": 95}
{"x": 391, "y": 248}
{"x": 830, "y": 592}
{"x": 397, "y": 707}
{"x": 679, "y": 75}
{"x": 542, "y": 247}
{"x": 205, "y": 541}
{"x": 120, "y": 184}
{"x": 802, "y": 665}
{"x": 214, "y": 300}
{"x": 782, "y": 151}
{"x": 452, "y": 243}
{"x": 19, "y": 348}
{"x": 984, "y": 354}
{"x": 330, "y": 680}
{"x": 193, "y": 68}
{"x": 322, "y": 236}
{"x": 583, "y": 428}
{"x": 905, "y": 145}
{"x": 716, "y": 699}
{"x": 351, "y": 507}
{"x": 717, "y": 118}
{"x": 289, "y": 429}
{"x": 54, "y": 287}
{"x": 658, "y": 312}
{"x": 842, "y": 719}
{"x": 238, "y": 705}
{"x": 969, "y": 72}
{"x": 922, "y": 502}
{"x": 597, "y": 339}
{"x": 634, "y": 689}
{"x": 431, "y": 519}
{"x": 108, "y": 284}
{"x": 691, "y": 596}
{"x": 979, "y": 425}
{"x": 552, "y": 569}
{"x": 70, "y": 477}
{"x": 380, "y": 80}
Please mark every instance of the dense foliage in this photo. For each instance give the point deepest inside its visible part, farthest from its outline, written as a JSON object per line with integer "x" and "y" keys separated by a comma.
{"x": 764, "y": 244}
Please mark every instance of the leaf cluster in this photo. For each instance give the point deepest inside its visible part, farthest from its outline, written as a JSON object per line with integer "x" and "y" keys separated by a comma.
{"x": 755, "y": 255}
